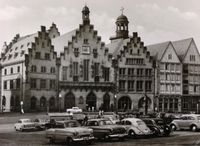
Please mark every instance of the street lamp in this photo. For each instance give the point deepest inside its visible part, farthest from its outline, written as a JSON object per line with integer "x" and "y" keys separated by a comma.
{"x": 60, "y": 96}
{"x": 22, "y": 110}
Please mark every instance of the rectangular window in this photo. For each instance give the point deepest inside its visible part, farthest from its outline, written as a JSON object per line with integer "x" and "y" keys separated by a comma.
{"x": 33, "y": 83}
{"x": 122, "y": 71}
{"x": 131, "y": 71}
{"x": 106, "y": 73}
{"x": 43, "y": 69}
{"x": 53, "y": 70}
{"x": 139, "y": 85}
{"x": 47, "y": 56}
{"x": 64, "y": 73}
{"x": 148, "y": 72}
{"x": 130, "y": 85}
{"x": 11, "y": 70}
{"x": 17, "y": 83}
{"x": 169, "y": 56}
{"x": 160, "y": 104}
{"x": 192, "y": 58}
{"x": 85, "y": 41}
{"x": 96, "y": 69}
{"x": 85, "y": 70}
{"x": 11, "y": 84}
{"x": 42, "y": 83}
{"x": 18, "y": 69}
{"x": 148, "y": 85}
{"x": 122, "y": 85}
{"x": 5, "y": 71}
{"x": 139, "y": 72}
{"x": 5, "y": 84}
{"x": 75, "y": 68}
{"x": 52, "y": 84}
{"x": 175, "y": 104}
{"x": 37, "y": 55}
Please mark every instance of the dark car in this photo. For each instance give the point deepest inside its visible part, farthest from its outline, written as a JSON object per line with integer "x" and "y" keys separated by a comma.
{"x": 158, "y": 126}
{"x": 105, "y": 129}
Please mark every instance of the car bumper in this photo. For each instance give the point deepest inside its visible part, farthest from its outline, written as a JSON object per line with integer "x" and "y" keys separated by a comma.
{"x": 83, "y": 139}
{"x": 117, "y": 135}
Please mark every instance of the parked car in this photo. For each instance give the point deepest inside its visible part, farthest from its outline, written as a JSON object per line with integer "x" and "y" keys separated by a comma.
{"x": 186, "y": 122}
{"x": 105, "y": 129}
{"x": 24, "y": 124}
{"x": 40, "y": 124}
{"x": 69, "y": 131}
{"x": 74, "y": 110}
{"x": 158, "y": 126}
{"x": 135, "y": 127}
{"x": 54, "y": 117}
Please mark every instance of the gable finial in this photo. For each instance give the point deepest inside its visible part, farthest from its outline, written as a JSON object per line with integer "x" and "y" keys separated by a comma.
{"x": 122, "y": 10}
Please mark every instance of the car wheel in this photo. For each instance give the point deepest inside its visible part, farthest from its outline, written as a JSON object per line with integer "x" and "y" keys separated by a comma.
{"x": 69, "y": 141}
{"x": 193, "y": 128}
{"x": 15, "y": 129}
{"x": 51, "y": 140}
{"x": 173, "y": 127}
{"x": 132, "y": 134}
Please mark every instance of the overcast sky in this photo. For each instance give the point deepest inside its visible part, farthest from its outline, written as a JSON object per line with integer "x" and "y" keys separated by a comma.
{"x": 154, "y": 20}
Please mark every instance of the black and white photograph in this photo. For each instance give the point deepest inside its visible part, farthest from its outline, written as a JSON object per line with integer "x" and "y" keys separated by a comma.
{"x": 99, "y": 72}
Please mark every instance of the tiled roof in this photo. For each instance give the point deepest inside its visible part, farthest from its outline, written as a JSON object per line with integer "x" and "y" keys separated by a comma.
{"x": 157, "y": 50}
{"x": 19, "y": 49}
{"x": 61, "y": 41}
{"x": 116, "y": 45}
{"x": 181, "y": 47}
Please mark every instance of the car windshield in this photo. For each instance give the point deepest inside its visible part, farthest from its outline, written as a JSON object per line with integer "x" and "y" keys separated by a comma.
{"x": 148, "y": 122}
{"x": 71, "y": 124}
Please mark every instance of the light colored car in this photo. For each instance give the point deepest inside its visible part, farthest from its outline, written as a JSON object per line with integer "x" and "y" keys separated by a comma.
{"x": 69, "y": 132}
{"x": 105, "y": 129}
{"x": 135, "y": 127}
{"x": 74, "y": 110}
{"x": 24, "y": 124}
{"x": 186, "y": 122}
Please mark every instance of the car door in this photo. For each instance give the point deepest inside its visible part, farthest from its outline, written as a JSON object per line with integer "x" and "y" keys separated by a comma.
{"x": 188, "y": 122}
{"x": 181, "y": 122}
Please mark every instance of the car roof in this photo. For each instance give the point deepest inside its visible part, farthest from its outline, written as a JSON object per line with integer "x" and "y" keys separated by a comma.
{"x": 98, "y": 119}
{"x": 132, "y": 119}
{"x": 66, "y": 121}
{"x": 25, "y": 119}
{"x": 195, "y": 115}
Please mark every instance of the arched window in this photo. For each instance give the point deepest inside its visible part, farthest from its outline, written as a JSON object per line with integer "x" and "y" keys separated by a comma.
{"x": 33, "y": 68}
{"x": 124, "y": 103}
{"x": 51, "y": 103}
{"x": 91, "y": 101}
{"x": 12, "y": 101}
{"x": 69, "y": 100}
{"x": 33, "y": 103}
{"x": 42, "y": 102}
{"x": 106, "y": 102}
{"x": 4, "y": 101}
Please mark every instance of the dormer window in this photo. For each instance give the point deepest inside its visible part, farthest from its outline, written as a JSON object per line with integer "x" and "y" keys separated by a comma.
{"x": 16, "y": 54}
{"x": 10, "y": 55}
{"x": 28, "y": 44}
{"x": 22, "y": 46}
{"x": 22, "y": 52}
{"x": 169, "y": 56}
{"x": 16, "y": 48}
{"x": 192, "y": 57}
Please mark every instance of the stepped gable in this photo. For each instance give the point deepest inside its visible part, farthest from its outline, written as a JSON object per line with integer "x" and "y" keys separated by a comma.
{"x": 23, "y": 45}
{"x": 181, "y": 47}
{"x": 16, "y": 51}
{"x": 130, "y": 46}
{"x": 157, "y": 50}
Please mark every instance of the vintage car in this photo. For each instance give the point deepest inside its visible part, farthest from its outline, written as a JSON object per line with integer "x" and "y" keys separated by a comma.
{"x": 135, "y": 127}
{"x": 186, "y": 122}
{"x": 24, "y": 124}
{"x": 105, "y": 129}
{"x": 40, "y": 124}
{"x": 69, "y": 132}
{"x": 74, "y": 110}
{"x": 54, "y": 117}
{"x": 158, "y": 126}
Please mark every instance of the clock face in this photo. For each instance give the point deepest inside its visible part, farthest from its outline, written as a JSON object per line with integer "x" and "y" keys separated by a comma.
{"x": 86, "y": 50}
